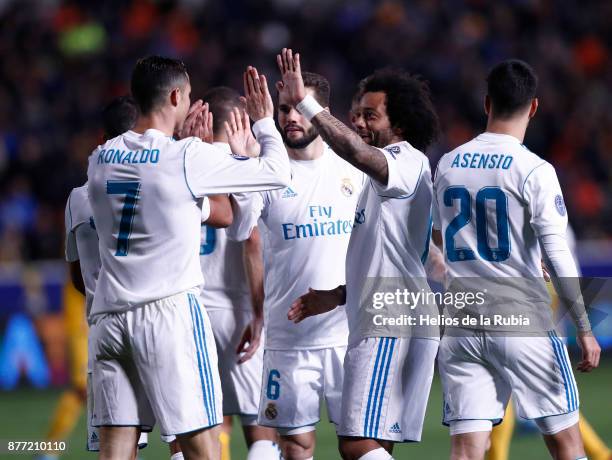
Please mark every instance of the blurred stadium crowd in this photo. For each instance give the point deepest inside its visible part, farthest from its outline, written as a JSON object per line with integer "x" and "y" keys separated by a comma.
{"x": 62, "y": 61}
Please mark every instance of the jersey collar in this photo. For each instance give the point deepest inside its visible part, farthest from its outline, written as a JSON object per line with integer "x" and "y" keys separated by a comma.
{"x": 496, "y": 137}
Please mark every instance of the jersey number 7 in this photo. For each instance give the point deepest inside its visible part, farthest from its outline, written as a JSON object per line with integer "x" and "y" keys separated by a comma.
{"x": 495, "y": 194}
{"x": 131, "y": 192}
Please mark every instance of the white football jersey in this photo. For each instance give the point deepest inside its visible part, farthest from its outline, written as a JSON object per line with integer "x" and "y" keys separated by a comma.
{"x": 144, "y": 191}
{"x": 305, "y": 229}
{"x": 82, "y": 240}
{"x": 493, "y": 198}
{"x": 225, "y": 282}
{"x": 392, "y": 230}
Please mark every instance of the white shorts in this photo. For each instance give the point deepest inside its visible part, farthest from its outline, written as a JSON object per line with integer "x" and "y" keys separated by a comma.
{"x": 241, "y": 383}
{"x": 479, "y": 372}
{"x": 93, "y": 433}
{"x": 386, "y": 387}
{"x": 294, "y": 383}
{"x": 158, "y": 362}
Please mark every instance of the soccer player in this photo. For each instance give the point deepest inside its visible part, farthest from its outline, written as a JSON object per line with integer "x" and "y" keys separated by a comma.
{"x": 305, "y": 230}
{"x": 84, "y": 264}
{"x": 496, "y": 205}
{"x": 227, "y": 298}
{"x": 82, "y": 246}
{"x": 149, "y": 331}
{"x": 388, "y": 372}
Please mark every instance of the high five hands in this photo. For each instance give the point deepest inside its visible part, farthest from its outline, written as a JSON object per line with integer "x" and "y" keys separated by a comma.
{"x": 291, "y": 72}
{"x": 198, "y": 123}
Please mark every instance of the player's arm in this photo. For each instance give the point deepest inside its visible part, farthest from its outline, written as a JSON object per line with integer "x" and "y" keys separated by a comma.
{"x": 548, "y": 218}
{"x": 254, "y": 268}
{"x": 72, "y": 253}
{"x": 343, "y": 140}
{"x": 209, "y": 171}
{"x": 217, "y": 211}
{"x": 315, "y": 302}
{"x": 76, "y": 276}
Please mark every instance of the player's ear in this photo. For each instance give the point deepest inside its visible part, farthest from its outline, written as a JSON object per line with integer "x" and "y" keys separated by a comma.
{"x": 175, "y": 97}
{"x": 534, "y": 107}
{"x": 487, "y": 104}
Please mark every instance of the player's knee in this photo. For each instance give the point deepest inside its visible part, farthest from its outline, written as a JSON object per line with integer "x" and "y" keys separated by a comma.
{"x": 348, "y": 450}
{"x": 298, "y": 444}
{"x": 294, "y": 451}
{"x": 558, "y": 426}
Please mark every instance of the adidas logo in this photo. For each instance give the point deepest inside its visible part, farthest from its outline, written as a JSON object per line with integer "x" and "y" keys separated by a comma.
{"x": 395, "y": 428}
{"x": 288, "y": 193}
{"x": 94, "y": 437}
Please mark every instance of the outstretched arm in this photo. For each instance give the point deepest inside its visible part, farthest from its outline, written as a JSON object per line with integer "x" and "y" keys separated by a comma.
{"x": 343, "y": 140}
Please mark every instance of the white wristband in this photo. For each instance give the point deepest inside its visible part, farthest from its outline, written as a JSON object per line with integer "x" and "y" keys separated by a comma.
{"x": 309, "y": 107}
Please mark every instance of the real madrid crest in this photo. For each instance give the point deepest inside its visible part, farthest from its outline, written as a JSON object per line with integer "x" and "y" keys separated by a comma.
{"x": 271, "y": 411}
{"x": 346, "y": 187}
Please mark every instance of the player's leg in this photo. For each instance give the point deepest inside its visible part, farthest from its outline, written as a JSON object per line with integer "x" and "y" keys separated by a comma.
{"x": 469, "y": 439}
{"x": 391, "y": 406}
{"x": 118, "y": 443}
{"x": 595, "y": 447}
{"x": 501, "y": 436}
{"x": 120, "y": 408}
{"x": 201, "y": 444}
{"x": 562, "y": 436}
{"x": 475, "y": 393}
{"x": 262, "y": 441}
{"x": 298, "y": 444}
{"x": 290, "y": 398}
{"x": 179, "y": 371}
{"x": 545, "y": 390}
{"x": 241, "y": 385}
{"x": 352, "y": 448}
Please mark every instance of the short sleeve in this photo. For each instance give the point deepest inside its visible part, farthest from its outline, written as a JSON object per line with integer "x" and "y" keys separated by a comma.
{"x": 405, "y": 168}
{"x": 435, "y": 211}
{"x": 72, "y": 253}
{"x": 248, "y": 208}
{"x": 209, "y": 171}
{"x": 205, "y": 209}
{"x": 544, "y": 199}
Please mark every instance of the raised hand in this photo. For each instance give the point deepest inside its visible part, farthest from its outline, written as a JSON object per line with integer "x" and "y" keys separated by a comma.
{"x": 239, "y": 135}
{"x": 189, "y": 126}
{"x": 313, "y": 303}
{"x": 257, "y": 96}
{"x": 204, "y": 125}
{"x": 292, "y": 85}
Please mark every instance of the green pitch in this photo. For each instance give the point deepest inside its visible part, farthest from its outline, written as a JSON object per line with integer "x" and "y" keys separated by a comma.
{"x": 24, "y": 414}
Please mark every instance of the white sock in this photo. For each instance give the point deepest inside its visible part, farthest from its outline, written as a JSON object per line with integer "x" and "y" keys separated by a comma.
{"x": 377, "y": 454}
{"x": 263, "y": 449}
{"x": 177, "y": 456}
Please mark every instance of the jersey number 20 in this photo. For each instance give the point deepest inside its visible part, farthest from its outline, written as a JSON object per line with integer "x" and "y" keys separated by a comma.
{"x": 131, "y": 192}
{"x": 494, "y": 194}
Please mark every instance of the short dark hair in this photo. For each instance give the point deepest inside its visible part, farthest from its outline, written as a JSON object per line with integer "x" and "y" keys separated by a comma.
{"x": 511, "y": 86}
{"x": 319, "y": 84}
{"x": 409, "y": 105}
{"x": 221, "y": 100}
{"x": 119, "y": 116}
{"x": 153, "y": 77}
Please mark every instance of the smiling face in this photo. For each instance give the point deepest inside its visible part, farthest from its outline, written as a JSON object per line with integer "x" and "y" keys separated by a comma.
{"x": 373, "y": 124}
{"x": 296, "y": 130}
